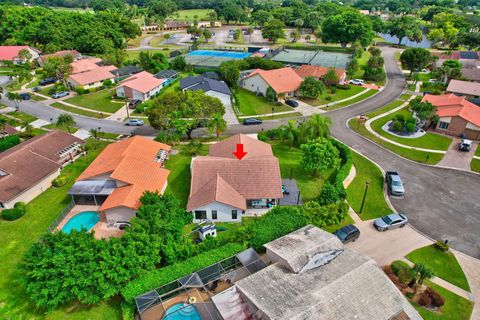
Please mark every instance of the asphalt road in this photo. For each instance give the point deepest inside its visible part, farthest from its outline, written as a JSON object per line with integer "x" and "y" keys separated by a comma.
{"x": 441, "y": 203}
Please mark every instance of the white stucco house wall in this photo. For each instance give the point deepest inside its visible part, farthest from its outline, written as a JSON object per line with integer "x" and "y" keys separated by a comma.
{"x": 141, "y": 86}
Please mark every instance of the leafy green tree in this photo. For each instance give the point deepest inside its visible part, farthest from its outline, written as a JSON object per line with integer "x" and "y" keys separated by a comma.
{"x": 295, "y": 35}
{"x": 414, "y": 59}
{"x": 207, "y": 34}
{"x": 152, "y": 62}
{"x": 470, "y": 39}
{"x": 178, "y": 63}
{"x": 330, "y": 78}
{"x": 260, "y": 17}
{"x": 217, "y": 125}
{"x": 160, "y": 9}
{"x": 347, "y": 27}
{"x": 59, "y": 67}
{"x": 289, "y": 133}
{"x": 324, "y": 215}
{"x": 66, "y": 121}
{"x": 230, "y": 73}
{"x": 446, "y": 28}
{"x": 25, "y": 55}
{"x": 237, "y": 34}
{"x": 450, "y": 69}
{"x": 271, "y": 95}
{"x": 352, "y": 68}
{"x": 273, "y": 30}
{"x": 311, "y": 88}
{"x": 424, "y": 110}
{"x": 319, "y": 155}
{"x": 405, "y": 27}
{"x": 318, "y": 126}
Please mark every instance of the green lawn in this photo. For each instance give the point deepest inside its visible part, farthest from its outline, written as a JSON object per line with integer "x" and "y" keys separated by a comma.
{"x": 361, "y": 97}
{"x": 250, "y": 104}
{"x": 166, "y": 49}
{"x": 405, "y": 96}
{"x": 475, "y": 165}
{"x": 82, "y": 112}
{"x": 455, "y": 307}
{"x": 190, "y": 15}
{"x": 98, "y": 101}
{"x": 310, "y": 187}
{"x": 385, "y": 108}
{"x": 17, "y": 236}
{"x": 22, "y": 116}
{"x": 477, "y": 152}
{"x": 375, "y": 205}
{"x": 362, "y": 62}
{"x": 415, "y": 155}
{"x": 53, "y": 126}
{"x": 338, "y": 95}
{"x": 443, "y": 264}
{"x": 37, "y": 98}
{"x": 428, "y": 141}
{"x": 280, "y": 116}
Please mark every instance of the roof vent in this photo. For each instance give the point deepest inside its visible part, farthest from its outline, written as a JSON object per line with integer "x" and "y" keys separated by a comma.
{"x": 320, "y": 259}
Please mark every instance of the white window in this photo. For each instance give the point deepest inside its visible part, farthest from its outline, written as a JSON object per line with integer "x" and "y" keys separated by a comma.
{"x": 443, "y": 125}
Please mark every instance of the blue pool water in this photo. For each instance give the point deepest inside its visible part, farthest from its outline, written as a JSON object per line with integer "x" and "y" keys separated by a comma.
{"x": 83, "y": 220}
{"x": 218, "y": 53}
{"x": 182, "y": 311}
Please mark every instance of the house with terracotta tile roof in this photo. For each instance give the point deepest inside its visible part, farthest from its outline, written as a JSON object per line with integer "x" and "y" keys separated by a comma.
{"x": 74, "y": 53}
{"x": 141, "y": 86}
{"x": 11, "y": 53}
{"x": 92, "y": 78}
{"x": 223, "y": 188}
{"x": 28, "y": 169}
{"x": 458, "y": 116}
{"x": 284, "y": 81}
{"x": 464, "y": 88}
{"x": 118, "y": 177}
{"x": 318, "y": 72}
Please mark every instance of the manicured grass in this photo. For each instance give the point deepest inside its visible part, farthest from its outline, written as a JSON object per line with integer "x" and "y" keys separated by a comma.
{"x": 18, "y": 236}
{"x": 107, "y": 135}
{"x": 405, "y": 96}
{"x": 443, "y": 264}
{"x": 166, "y": 49}
{"x": 37, "y": 98}
{"x": 375, "y": 205}
{"x": 415, "y": 155}
{"x": 179, "y": 178}
{"x": 362, "y": 62}
{"x": 251, "y": 104}
{"x": 475, "y": 165}
{"x": 155, "y": 42}
{"x": 22, "y": 116}
{"x": 310, "y": 186}
{"x": 361, "y": 97}
{"x": 98, "y": 101}
{"x": 392, "y": 105}
{"x": 82, "y": 112}
{"x": 189, "y": 15}
{"x": 279, "y": 116}
{"x": 455, "y": 307}
{"x": 338, "y": 95}
{"x": 428, "y": 141}
{"x": 477, "y": 152}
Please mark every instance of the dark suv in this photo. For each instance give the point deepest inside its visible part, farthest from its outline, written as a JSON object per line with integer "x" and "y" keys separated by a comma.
{"x": 46, "y": 81}
{"x": 348, "y": 233}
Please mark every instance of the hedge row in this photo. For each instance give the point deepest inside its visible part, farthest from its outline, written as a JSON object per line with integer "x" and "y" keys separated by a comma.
{"x": 18, "y": 211}
{"x": 159, "y": 277}
{"x": 322, "y": 48}
{"x": 9, "y": 142}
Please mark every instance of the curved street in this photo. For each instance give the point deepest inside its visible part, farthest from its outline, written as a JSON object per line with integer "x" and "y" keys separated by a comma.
{"x": 441, "y": 203}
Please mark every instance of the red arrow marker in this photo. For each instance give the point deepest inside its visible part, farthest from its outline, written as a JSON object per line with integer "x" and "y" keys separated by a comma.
{"x": 239, "y": 153}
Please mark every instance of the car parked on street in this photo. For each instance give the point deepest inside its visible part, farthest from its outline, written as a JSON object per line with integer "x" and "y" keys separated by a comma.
{"x": 357, "y": 82}
{"x": 292, "y": 103}
{"x": 251, "y": 121}
{"x": 24, "y": 96}
{"x": 348, "y": 233}
{"x": 392, "y": 221}
{"x": 134, "y": 122}
{"x": 465, "y": 145}
{"x": 47, "y": 81}
{"x": 60, "y": 94}
{"x": 394, "y": 184}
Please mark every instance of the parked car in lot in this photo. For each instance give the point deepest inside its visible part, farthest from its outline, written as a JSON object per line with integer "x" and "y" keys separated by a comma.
{"x": 60, "y": 94}
{"x": 292, "y": 103}
{"x": 47, "y": 81}
{"x": 134, "y": 103}
{"x": 465, "y": 145}
{"x": 251, "y": 121}
{"x": 394, "y": 184}
{"x": 357, "y": 82}
{"x": 134, "y": 122}
{"x": 392, "y": 221}
{"x": 24, "y": 96}
{"x": 348, "y": 233}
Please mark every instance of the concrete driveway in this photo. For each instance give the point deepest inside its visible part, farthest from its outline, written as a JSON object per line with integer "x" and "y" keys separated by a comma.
{"x": 455, "y": 158}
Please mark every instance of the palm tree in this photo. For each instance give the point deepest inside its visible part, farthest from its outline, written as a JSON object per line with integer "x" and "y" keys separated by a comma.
{"x": 65, "y": 121}
{"x": 289, "y": 133}
{"x": 217, "y": 125}
{"x": 25, "y": 55}
{"x": 319, "y": 126}
{"x": 27, "y": 128}
{"x": 94, "y": 133}
{"x": 15, "y": 97}
{"x": 421, "y": 273}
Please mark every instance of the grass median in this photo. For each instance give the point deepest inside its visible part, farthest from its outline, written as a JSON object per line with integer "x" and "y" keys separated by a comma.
{"x": 99, "y": 101}
{"x": 82, "y": 112}
{"x": 361, "y": 97}
{"x": 475, "y": 165}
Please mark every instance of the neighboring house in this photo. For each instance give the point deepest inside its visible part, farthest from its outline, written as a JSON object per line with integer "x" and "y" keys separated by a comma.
{"x": 74, "y": 53}
{"x": 141, "y": 86}
{"x": 318, "y": 72}
{"x": 120, "y": 175}
{"x": 212, "y": 75}
{"x": 11, "y": 53}
{"x": 125, "y": 72}
{"x": 209, "y": 24}
{"x": 86, "y": 64}
{"x": 458, "y": 116}
{"x": 8, "y": 130}
{"x": 92, "y": 78}
{"x": 464, "y": 88}
{"x": 284, "y": 81}
{"x": 311, "y": 275}
{"x": 214, "y": 88}
{"x": 469, "y": 59}
{"x": 472, "y": 74}
{"x": 223, "y": 188}
{"x": 29, "y": 168}
{"x": 176, "y": 25}
{"x": 167, "y": 75}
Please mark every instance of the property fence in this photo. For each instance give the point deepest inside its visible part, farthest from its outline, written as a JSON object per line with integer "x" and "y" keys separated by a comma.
{"x": 61, "y": 216}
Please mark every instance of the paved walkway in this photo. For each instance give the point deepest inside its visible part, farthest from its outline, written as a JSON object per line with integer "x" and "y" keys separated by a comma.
{"x": 82, "y": 134}
{"x": 457, "y": 159}
{"x": 229, "y": 115}
{"x": 471, "y": 267}
{"x": 39, "y": 123}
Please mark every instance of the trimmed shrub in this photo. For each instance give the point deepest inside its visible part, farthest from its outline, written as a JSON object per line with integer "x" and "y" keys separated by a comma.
{"x": 128, "y": 311}
{"x": 9, "y": 142}
{"x": 60, "y": 181}
{"x": 329, "y": 194}
{"x": 410, "y": 120}
{"x": 440, "y": 245}
{"x": 324, "y": 215}
{"x": 328, "y": 98}
{"x": 400, "y": 117}
{"x": 14, "y": 213}
{"x": 157, "y": 278}
{"x": 399, "y": 265}
{"x": 344, "y": 87}
{"x": 410, "y": 127}
{"x": 333, "y": 90}
{"x": 397, "y": 126}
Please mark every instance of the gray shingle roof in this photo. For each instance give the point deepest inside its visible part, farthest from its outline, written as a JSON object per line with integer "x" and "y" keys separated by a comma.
{"x": 166, "y": 74}
{"x": 126, "y": 71}
{"x": 205, "y": 84}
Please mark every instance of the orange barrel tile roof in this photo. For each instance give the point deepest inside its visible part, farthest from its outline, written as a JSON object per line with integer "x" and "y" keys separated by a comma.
{"x": 450, "y": 105}
{"x": 281, "y": 80}
{"x": 142, "y": 82}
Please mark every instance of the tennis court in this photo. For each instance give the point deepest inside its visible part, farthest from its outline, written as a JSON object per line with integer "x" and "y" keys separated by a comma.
{"x": 316, "y": 58}
{"x": 213, "y": 58}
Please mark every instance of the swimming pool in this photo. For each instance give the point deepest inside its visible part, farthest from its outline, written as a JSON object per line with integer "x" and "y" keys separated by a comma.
{"x": 83, "y": 220}
{"x": 218, "y": 53}
{"x": 182, "y": 311}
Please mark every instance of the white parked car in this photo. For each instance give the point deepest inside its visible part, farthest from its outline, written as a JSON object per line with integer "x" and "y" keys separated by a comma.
{"x": 357, "y": 82}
